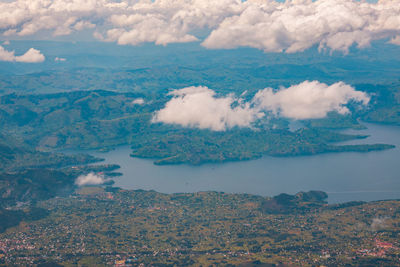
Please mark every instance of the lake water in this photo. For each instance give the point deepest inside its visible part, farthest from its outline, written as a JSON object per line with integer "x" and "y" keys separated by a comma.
{"x": 344, "y": 176}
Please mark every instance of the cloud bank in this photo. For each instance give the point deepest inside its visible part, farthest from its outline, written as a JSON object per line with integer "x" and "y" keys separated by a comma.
{"x": 264, "y": 24}
{"x": 199, "y": 107}
{"x": 31, "y": 56}
{"x": 90, "y": 179}
{"x": 297, "y": 25}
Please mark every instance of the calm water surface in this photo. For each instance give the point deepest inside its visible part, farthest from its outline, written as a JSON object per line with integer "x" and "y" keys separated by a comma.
{"x": 344, "y": 176}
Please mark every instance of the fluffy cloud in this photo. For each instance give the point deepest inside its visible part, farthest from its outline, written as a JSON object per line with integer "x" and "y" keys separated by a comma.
{"x": 309, "y": 100}
{"x": 297, "y": 25}
{"x": 6, "y": 55}
{"x": 166, "y": 21}
{"x": 90, "y": 179}
{"x": 264, "y": 24}
{"x": 199, "y": 107}
{"x": 31, "y": 56}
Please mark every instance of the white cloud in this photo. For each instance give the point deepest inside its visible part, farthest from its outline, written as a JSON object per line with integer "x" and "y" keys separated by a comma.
{"x": 297, "y": 25}
{"x": 138, "y": 101}
{"x": 6, "y": 55}
{"x": 309, "y": 100}
{"x": 60, "y": 59}
{"x": 199, "y": 107}
{"x": 90, "y": 179}
{"x": 31, "y": 56}
{"x": 6, "y": 42}
{"x": 264, "y": 24}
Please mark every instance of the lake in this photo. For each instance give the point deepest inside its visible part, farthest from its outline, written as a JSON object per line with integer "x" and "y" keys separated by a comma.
{"x": 344, "y": 176}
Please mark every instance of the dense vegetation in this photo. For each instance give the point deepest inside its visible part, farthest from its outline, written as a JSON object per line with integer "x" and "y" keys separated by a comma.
{"x": 13, "y": 158}
{"x": 33, "y": 185}
{"x": 386, "y": 104}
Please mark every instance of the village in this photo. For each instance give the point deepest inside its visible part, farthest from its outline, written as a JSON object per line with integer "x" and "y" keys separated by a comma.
{"x": 117, "y": 227}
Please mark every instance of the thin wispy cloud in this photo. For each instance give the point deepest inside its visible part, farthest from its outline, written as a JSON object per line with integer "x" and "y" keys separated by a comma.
{"x": 60, "y": 59}
{"x": 138, "y": 101}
